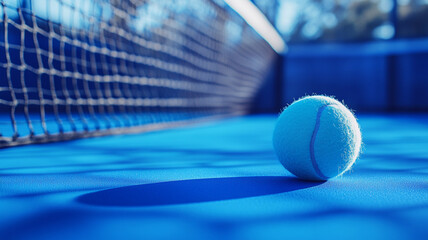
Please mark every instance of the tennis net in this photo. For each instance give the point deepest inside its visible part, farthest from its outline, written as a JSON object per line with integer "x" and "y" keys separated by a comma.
{"x": 76, "y": 68}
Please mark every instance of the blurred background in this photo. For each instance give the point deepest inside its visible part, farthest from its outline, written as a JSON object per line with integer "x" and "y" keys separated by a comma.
{"x": 373, "y": 54}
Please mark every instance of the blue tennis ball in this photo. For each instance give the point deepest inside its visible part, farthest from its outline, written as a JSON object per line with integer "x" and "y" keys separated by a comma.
{"x": 317, "y": 138}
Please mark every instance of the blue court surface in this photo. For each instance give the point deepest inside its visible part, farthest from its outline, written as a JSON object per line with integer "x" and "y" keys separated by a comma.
{"x": 217, "y": 180}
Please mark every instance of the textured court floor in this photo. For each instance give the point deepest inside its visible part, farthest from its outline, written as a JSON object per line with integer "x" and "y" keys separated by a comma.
{"x": 215, "y": 181}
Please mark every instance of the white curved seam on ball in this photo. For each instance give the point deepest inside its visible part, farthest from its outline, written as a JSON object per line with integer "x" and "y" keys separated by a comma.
{"x": 314, "y": 135}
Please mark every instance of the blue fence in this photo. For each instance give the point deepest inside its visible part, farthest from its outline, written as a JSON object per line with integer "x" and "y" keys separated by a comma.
{"x": 385, "y": 76}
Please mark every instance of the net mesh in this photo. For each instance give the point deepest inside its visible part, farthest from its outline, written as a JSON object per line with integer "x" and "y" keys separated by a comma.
{"x": 78, "y": 68}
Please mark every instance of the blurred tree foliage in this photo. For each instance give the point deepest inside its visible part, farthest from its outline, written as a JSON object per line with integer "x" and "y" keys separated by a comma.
{"x": 355, "y": 20}
{"x": 413, "y": 20}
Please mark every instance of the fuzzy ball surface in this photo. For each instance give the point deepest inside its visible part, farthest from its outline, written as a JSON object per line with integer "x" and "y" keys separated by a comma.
{"x": 317, "y": 138}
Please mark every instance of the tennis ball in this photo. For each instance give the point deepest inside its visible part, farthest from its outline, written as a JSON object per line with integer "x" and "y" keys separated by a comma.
{"x": 317, "y": 138}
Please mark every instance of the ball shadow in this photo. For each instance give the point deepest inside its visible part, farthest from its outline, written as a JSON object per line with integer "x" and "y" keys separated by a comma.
{"x": 193, "y": 191}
